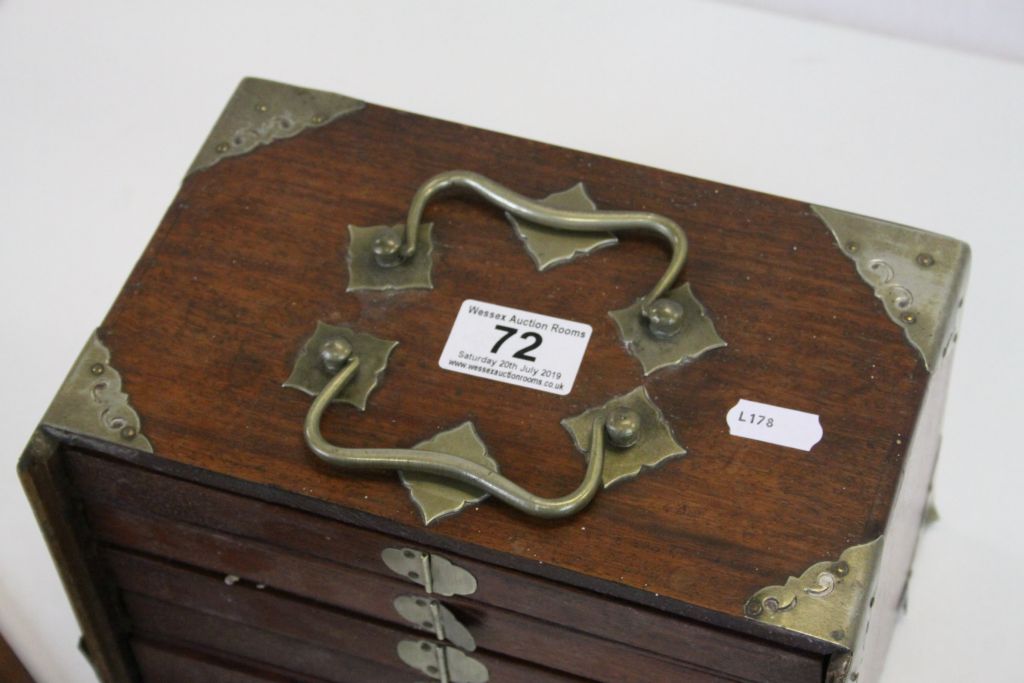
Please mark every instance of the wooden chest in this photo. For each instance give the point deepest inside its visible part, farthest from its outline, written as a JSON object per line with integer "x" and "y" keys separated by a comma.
{"x": 646, "y": 427}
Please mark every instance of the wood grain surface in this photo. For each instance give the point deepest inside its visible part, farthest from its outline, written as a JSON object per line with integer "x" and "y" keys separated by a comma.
{"x": 340, "y": 565}
{"x": 251, "y": 254}
{"x": 269, "y": 628}
{"x": 519, "y": 615}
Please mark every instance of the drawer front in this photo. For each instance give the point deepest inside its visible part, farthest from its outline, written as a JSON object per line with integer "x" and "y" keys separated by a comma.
{"x": 164, "y": 662}
{"x": 310, "y": 556}
{"x": 374, "y": 596}
{"x": 180, "y": 604}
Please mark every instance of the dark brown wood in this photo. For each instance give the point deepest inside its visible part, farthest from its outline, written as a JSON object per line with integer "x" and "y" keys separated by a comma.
{"x": 259, "y": 649}
{"x": 372, "y": 595}
{"x": 11, "y": 668}
{"x": 648, "y": 583}
{"x": 289, "y": 542}
{"x": 92, "y": 593}
{"x": 330, "y": 629}
{"x": 171, "y": 663}
{"x": 251, "y": 255}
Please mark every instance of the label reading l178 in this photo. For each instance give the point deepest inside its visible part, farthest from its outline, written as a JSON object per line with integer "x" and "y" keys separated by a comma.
{"x": 516, "y": 347}
{"x": 780, "y": 426}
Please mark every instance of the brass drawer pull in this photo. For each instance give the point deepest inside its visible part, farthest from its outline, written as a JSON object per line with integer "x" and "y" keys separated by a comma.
{"x": 448, "y": 465}
{"x": 663, "y": 315}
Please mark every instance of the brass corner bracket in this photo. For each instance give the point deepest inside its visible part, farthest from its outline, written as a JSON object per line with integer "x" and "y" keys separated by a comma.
{"x": 260, "y": 112}
{"x": 91, "y": 403}
{"x": 919, "y": 276}
{"x": 830, "y": 601}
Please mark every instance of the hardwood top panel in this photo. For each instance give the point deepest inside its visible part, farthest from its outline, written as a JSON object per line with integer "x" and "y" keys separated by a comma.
{"x": 251, "y": 254}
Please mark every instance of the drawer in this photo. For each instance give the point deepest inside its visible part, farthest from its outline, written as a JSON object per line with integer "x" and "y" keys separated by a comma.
{"x": 374, "y": 596}
{"x": 162, "y": 662}
{"x": 267, "y": 627}
{"x": 319, "y": 559}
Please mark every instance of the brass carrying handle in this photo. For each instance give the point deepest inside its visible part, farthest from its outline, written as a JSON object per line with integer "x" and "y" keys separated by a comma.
{"x": 663, "y": 315}
{"x": 447, "y": 465}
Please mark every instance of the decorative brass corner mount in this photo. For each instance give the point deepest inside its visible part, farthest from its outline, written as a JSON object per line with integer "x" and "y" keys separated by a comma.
{"x": 830, "y": 601}
{"x": 91, "y": 403}
{"x": 260, "y": 112}
{"x": 919, "y": 276}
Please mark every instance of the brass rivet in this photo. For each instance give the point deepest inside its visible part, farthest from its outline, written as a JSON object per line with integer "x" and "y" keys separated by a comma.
{"x": 96, "y": 369}
{"x": 432, "y": 669}
{"x": 427, "y": 624}
{"x": 852, "y": 246}
{"x": 128, "y": 433}
{"x": 387, "y": 248}
{"x": 319, "y": 118}
{"x": 334, "y": 353}
{"x": 425, "y": 646}
{"x": 262, "y": 108}
{"x": 925, "y": 260}
{"x": 841, "y": 568}
{"x": 909, "y": 318}
{"x": 665, "y": 318}
{"x": 838, "y": 634}
{"x": 222, "y": 147}
{"x": 754, "y": 608}
{"x": 622, "y": 427}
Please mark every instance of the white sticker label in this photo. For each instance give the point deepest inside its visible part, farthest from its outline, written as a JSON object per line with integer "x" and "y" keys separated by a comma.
{"x": 780, "y": 426}
{"x": 516, "y": 347}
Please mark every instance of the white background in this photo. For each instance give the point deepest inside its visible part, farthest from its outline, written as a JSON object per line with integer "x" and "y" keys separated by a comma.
{"x": 992, "y": 27}
{"x": 103, "y": 105}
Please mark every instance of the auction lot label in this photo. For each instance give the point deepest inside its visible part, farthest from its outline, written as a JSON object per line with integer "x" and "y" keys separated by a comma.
{"x": 516, "y": 347}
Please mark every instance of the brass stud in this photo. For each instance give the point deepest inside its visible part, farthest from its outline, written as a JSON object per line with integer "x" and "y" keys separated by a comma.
{"x": 334, "y": 353}
{"x": 319, "y": 118}
{"x": 841, "y": 568}
{"x": 128, "y": 433}
{"x": 222, "y": 147}
{"x": 852, "y": 247}
{"x": 665, "y": 318}
{"x": 925, "y": 260}
{"x": 262, "y": 108}
{"x": 909, "y": 318}
{"x": 754, "y": 608}
{"x": 387, "y": 248}
{"x": 622, "y": 427}
{"x": 97, "y": 369}
{"x": 838, "y": 634}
